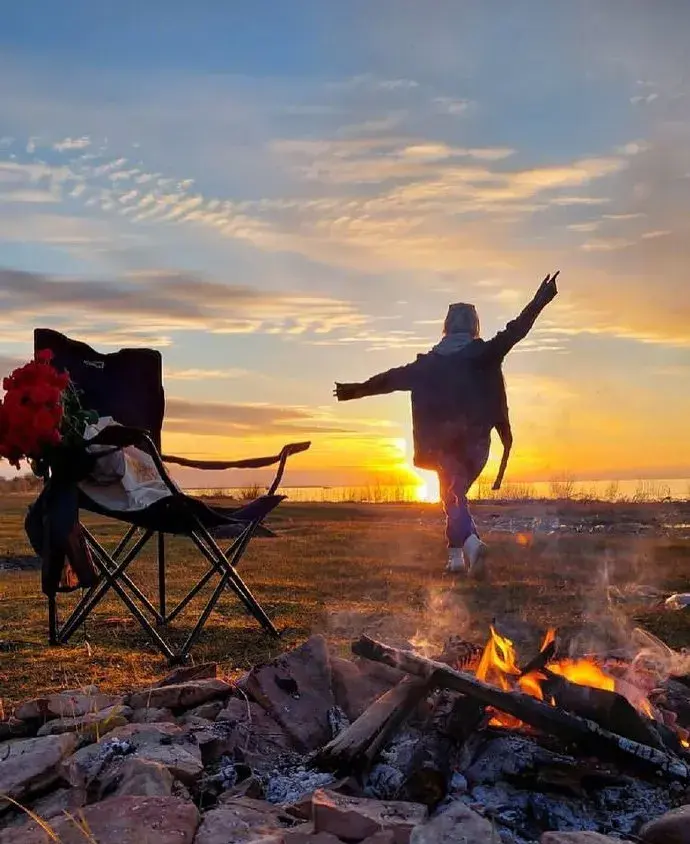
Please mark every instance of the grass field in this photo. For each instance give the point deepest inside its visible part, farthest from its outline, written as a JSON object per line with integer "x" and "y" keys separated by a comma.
{"x": 347, "y": 569}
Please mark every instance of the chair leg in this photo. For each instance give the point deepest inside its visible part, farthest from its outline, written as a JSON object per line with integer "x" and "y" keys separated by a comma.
{"x": 161, "y": 575}
{"x": 52, "y": 621}
{"x": 229, "y": 553}
{"x": 98, "y": 592}
{"x": 112, "y": 578}
{"x": 229, "y": 575}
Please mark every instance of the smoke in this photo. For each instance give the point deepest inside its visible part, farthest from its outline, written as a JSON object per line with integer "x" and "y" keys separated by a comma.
{"x": 446, "y": 616}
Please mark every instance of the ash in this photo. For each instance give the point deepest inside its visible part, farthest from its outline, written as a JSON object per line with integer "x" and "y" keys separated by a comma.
{"x": 291, "y": 785}
{"x": 527, "y": 789}
{"x": 113, "y": 749}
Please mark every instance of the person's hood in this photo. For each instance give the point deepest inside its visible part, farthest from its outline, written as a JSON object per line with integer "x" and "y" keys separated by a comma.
{"x": 460, "y": 328}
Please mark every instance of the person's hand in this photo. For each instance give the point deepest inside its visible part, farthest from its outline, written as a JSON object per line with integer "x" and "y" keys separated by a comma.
{"x": 547, "y": 289}
{"x": 346, "y": 392}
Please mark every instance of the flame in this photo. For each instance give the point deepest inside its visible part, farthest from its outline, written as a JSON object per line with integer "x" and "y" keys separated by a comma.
{"x": 498, "y": 666}
{"x": 584, "y": 672}
{"x": 498, "y": 661}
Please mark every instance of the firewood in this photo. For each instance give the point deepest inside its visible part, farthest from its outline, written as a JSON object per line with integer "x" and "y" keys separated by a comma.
{"x": 426, "y": 778}
{"x": 540, "y": 715}
{"x": 541, "y": 659}
{"x": 608, "y": 709}
{"x": 357, "y": 746}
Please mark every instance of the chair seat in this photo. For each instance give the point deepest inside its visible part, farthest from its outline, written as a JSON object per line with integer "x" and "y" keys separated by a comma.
{"x": 177, "y": 515}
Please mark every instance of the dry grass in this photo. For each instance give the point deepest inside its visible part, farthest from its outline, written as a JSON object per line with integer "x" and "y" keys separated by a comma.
{"x": 344, "y": 570}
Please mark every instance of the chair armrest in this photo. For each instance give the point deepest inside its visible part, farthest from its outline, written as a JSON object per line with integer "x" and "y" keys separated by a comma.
{"x": 249, "y": 463}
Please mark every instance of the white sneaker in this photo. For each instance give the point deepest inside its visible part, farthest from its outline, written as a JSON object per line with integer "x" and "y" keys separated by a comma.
{"x": 475, "y": 552}
{"x": 456, "y": 561}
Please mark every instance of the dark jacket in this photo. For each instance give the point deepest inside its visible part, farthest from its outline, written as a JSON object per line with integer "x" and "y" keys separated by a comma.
{"x": 457, "y": 399}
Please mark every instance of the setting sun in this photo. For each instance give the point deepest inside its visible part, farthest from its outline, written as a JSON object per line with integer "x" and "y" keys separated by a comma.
{"x": 428, "y": 490}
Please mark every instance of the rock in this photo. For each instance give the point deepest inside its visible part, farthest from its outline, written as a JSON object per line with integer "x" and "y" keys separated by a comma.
{"x": 194, "y": 724}
{"x": 33, "y": 765}
{"x": 210, "y": 710}
{"x": 386, "y": 836}
{"x": 181, "y": 696}
{"x": 70, "y": 704}
{"x": 152, "y": 715}
{"x": 379, "y": 674}
{"x": 190, "y": 673}
{"x": 254, "y": 729}
{"x": 137, "y": 777}
{"x": 58, "y": 802}
{"x": 214, "y": 740}
{"x": 236, "y": 821}
{"x": 166, "y": 744}
{"x": 357, "y": 818}
{"x": 304, "y": 834}
{"x": 91, "y": 726}
{"x": 308, "y": 836}
{"x": 458, "y": 823}
{"x": 13, "y": 728}
{"x": 671, "y": 828}
{"x": 296, "y": 690}
{"x": 576, "y": 838}
{"x": 120, "y": 820}
{"x": 353, "y": 690}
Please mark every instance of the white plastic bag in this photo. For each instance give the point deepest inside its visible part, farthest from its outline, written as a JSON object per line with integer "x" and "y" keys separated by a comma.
{"x": 125, "y": 480}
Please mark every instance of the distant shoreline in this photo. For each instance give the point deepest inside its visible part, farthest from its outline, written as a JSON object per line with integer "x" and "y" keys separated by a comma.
{"x": 630, "y": 491}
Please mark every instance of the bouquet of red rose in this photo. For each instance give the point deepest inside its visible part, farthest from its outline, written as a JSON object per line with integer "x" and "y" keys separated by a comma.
{"x": 40, "y": 415}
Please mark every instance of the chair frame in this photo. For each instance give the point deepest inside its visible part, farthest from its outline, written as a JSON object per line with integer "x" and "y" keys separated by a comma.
{"x": 112, "y": 567}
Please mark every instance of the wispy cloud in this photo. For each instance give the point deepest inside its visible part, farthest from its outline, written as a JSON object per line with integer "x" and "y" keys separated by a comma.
{"x": 160, "y": 302}
{"x": 206, "y": 374}
{"x": 70, "y": 144}
{"x": 218, "y": 418}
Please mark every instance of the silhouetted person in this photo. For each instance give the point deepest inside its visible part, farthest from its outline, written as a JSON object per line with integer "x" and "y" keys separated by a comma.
{"x": 458, "y": 397}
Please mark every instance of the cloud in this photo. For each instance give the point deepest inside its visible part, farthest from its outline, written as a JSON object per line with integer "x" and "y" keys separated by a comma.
{"x": 453, "y": 107}
{"x": 373, "y": 84}
{"x": 168, "y": 302}
{"x": 602, "y": 244}
{"x": 8, "y": 363}
{"x": 70, "y": 144}
{"x": 30, "y": 195}
{"x": 644, "y": 99}
{"x": 232, "y": 420}
{"x": 207, "y": 374}
{"x": 656, "y": 233}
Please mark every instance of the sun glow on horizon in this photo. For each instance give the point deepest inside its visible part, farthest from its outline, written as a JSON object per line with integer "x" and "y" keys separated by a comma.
{"x": 428, "y": 490}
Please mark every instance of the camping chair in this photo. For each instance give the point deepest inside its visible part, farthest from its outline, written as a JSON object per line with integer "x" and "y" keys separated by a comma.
{"x": 127, "y": 385}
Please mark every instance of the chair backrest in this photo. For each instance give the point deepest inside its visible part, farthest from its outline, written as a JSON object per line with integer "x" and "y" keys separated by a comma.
{"x": 127, "y": 384}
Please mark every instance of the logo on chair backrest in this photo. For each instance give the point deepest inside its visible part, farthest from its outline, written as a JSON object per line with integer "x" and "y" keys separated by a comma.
{"x": 96, "y": 364}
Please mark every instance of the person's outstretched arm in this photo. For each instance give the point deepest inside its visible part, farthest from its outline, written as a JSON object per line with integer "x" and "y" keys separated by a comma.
{"x": 385, "y": 382}
{"x": 518, "y": 328}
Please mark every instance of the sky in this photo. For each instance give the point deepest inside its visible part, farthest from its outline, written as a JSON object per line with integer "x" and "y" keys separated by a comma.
{"x": 279, "y": 196}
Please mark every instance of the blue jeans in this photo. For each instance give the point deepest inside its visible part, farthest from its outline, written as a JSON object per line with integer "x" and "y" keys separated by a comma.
{"x": 456, "y": 474}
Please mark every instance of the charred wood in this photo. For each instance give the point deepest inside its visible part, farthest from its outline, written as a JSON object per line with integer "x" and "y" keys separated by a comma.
{"x": 609, "y": 709}
{"x": 541, "y": 659}
{"x": 543, "y": 717}
{"x": 357, "y": 746}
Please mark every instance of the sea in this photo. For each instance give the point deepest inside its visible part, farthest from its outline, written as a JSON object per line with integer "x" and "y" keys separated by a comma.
{"x": 634, "y": 491}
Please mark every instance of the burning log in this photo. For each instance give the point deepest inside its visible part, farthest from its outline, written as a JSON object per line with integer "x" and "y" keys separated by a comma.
{"x": 357, "y": 746}
{"x": 609, "y": 709}
{"x": 540, "y": 715}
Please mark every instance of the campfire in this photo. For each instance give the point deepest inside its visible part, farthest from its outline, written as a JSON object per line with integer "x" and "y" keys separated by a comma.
{"x": 543, "y": 678}
{"x": 566, "y": 742}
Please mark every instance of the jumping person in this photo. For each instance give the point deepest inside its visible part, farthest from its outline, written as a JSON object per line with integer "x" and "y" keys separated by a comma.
{"x": 458, "y": 398}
